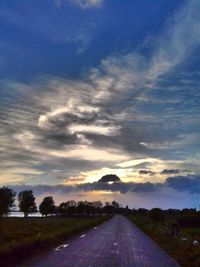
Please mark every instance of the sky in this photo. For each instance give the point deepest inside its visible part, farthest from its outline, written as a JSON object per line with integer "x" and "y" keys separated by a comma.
{"x": 96, "y": 87}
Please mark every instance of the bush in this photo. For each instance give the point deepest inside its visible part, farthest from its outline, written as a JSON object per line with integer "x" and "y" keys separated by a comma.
{"x": 189, "y": 221}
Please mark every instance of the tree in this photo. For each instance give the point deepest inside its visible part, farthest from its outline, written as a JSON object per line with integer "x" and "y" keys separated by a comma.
{"x": 71, "y": 207}
{"x": 108, "y": 208}
{"x": 81, "y": 208}
{"x": 27, "y": 202}
{"x": 47, "y": 206}
{"x": 97, "y": 206}
{"x": 62, "y": 209}
{"x": 143, "y": 212}
{"x": 67, "y": 208}
{"x": 157, "y": 214}
{"x": 115, "y": 204}
{"x": 7, "y": 198}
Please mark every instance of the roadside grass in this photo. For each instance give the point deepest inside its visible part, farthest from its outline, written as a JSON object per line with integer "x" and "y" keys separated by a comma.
{"x": 182, "y": 251}
{"x": 23, "y": 237}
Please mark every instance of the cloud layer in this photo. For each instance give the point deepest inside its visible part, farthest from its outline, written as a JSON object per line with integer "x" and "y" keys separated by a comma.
{"x": 190, "y": 184}
{"x": 135, "y": 114}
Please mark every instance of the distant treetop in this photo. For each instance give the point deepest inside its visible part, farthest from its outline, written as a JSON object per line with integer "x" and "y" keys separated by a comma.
{"x": 109, "y": 178}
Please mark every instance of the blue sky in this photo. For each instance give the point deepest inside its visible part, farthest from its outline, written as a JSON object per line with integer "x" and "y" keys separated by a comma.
{"x": 91, "y": 87}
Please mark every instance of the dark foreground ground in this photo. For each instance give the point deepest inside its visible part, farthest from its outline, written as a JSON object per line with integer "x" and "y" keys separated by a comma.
{"x": 115, "y": 243}
{"x": 21, "y": 238}
{"x": 179, "y": 246}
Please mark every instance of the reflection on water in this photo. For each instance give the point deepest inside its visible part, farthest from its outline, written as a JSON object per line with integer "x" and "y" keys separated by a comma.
{"x": 21, "y": 214}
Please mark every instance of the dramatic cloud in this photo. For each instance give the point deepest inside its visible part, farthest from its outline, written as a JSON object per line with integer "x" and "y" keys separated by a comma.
{"x": 179, "y": 183}
{"x": 133, "y": 113}
{"x": 190, "y": 183}
{"x": 145, "y": 172}
{"x": 109, "y": 178}
{"x": 170, "y": 171}
{"x": 87, "y": 187}
{"x": 172, "y": 190}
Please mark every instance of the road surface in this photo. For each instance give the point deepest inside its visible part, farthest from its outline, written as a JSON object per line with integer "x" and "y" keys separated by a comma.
{"x": 115, "y": 243}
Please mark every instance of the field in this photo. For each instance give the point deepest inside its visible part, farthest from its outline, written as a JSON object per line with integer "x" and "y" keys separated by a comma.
{"x": 23, "y": 237}
{"x": 180, "y": 248}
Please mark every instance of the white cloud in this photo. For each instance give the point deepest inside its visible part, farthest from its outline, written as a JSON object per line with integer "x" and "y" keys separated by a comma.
{"x": 26, "y": 139}
{"x": 182, "y": 35}
{"x": 83, "y": 4}
{"x": 11, "y": 178}
{"x": 133, "y": 72}
{"x": 125, "y": 174}
{"x": 136, "y": 162}
{"x": 179, "y": 143}
{"x": 73, "y": 106}
{"x": 19, "y": 170}
{"x": 95, "y": 129}
{"x": 86, "y": 152}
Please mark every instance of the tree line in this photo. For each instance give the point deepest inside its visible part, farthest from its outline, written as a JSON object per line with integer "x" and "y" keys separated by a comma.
{"x": 25, "y": 198}
{"x": 27, "y": 205}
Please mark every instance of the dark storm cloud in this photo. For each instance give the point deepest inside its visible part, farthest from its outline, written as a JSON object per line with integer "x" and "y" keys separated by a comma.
{"x": 43, "y": 189}
{"x": 170, "y": 171}
{"x": 109, "y": 178}
{"x": 164, "y": 172}
{"x": 174, "y": 171}
{"x": 88, "y": 187}
{"x": 145, "y": 172}
{"x": 120, "y": 187}
{"x": 190, "y": 183}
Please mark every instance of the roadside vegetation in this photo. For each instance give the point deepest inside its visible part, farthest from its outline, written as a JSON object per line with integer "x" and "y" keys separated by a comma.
{"x": 27, "y": 205}
{"x": 21, "y": 238}
{"x": 176, "y": 231}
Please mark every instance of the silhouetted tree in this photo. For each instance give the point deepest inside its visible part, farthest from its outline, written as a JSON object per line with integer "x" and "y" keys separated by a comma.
{"x": 156, "y": 214}
{"x": 62, "y": 209}
{"x": 88, "y": 207}
{"x": 47, "y": 206}
{"x": 127, "y": 211}
{"x": 71, "y": 207}
{"x": 27, "y": 202}
{"x": 187, "y": 211}
{"x": 97, "y": 206}
{"x": 172, "y": 212}
{"x": 7, "y": 198}
{"x": 115, "y": 204}
{"x": 67, "y": 208}
{"x": 108, "y": 208}
{"x": 80, "y": 208}
{"x": 143, "y": 212}
{"x": 134, "y": 211}
{"x": 91, "y": 208}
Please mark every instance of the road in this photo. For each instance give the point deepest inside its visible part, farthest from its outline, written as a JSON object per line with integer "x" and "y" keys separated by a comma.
{"x": 115, "y": 243}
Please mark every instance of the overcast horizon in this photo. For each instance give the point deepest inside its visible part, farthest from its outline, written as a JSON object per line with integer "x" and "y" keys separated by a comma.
{"x": 96, "y": 87}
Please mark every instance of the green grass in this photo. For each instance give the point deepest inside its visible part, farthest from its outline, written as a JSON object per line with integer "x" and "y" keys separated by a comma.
{"x": 21, "y": 236}
{"x": 182, "y": 251}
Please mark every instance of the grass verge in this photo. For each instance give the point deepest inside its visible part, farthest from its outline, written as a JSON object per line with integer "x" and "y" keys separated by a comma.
{"x": 22, "y": 238}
